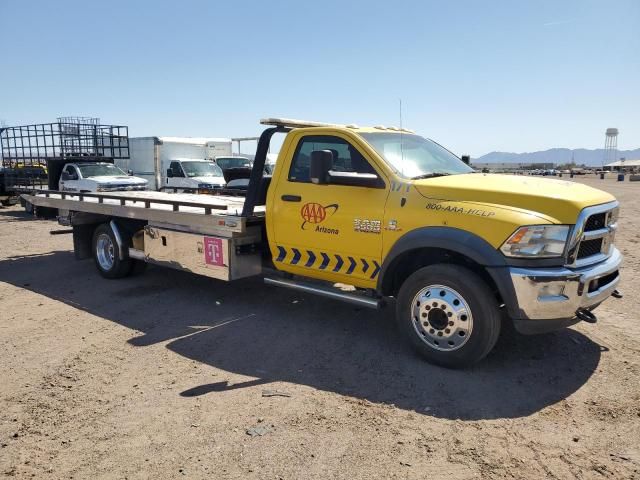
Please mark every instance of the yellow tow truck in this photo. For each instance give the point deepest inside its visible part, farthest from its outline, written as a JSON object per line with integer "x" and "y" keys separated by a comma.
{"x": 396, "y": 216}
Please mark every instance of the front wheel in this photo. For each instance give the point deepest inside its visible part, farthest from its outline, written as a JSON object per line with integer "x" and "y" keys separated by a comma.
{"x": 449, "y": 314}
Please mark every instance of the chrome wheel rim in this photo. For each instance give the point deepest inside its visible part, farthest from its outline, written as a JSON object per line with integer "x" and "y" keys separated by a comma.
{"x": 442, "y": 318}
{"x": 105, "y": 251}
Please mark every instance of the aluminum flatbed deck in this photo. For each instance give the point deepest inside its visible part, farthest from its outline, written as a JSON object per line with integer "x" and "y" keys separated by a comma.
{"x": 201, "y": 211}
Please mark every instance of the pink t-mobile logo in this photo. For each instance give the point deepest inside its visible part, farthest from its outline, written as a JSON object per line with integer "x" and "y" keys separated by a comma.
{"x": 213, "y": 251}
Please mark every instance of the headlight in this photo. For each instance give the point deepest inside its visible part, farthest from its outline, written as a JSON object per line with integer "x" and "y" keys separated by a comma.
{"x": 541, "y": 241}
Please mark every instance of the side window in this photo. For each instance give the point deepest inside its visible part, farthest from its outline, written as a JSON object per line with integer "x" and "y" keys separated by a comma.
{"x": 346, "y": 158}
{"x": 176, "y": 169}
{"x": 70, "y": 169}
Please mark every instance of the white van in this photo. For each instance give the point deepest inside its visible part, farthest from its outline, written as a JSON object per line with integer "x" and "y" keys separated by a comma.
{"x": 153, "y": 157}
{"x": 197, "y": 176}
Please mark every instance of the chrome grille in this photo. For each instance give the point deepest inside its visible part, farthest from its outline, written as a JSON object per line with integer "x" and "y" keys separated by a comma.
{"x": 592, "y": 238}
{"x": 596, "y": 222}
{"x": 589, "y": 247}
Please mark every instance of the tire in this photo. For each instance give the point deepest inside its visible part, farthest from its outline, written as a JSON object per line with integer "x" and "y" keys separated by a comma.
{"x": 28, "y": 207}
{"x": 449, "y": 315}
{"x": 105, "y": 254}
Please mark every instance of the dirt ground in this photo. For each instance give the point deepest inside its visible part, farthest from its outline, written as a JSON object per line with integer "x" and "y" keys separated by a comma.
{"x": 164, "y": 375}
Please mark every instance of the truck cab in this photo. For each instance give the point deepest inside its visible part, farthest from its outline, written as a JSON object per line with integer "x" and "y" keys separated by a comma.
{"x": 192, "y": 175}
{"x": 235, "y": 169}
{"x": 97, "y": 177}
{"x": 398, "y": 215}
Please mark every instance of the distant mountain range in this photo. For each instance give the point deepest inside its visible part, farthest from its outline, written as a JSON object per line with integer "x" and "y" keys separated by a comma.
{"x": 556, "y": 155}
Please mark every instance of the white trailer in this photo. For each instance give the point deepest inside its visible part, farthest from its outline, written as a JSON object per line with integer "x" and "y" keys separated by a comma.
{"x": 151, "y": 157}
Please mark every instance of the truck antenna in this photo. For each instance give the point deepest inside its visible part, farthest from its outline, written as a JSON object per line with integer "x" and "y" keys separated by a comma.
{"x": 401, "y": 147}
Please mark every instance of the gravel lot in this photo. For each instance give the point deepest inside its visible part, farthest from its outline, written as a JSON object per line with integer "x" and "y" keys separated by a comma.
{"x": 164, "y": 375}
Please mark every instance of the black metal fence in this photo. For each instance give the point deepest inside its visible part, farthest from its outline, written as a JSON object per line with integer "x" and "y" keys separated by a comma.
{"x": 33, "y": 156}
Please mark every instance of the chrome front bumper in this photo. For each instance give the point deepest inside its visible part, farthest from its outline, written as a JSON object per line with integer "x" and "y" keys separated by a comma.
{"x": 558, "y": 293}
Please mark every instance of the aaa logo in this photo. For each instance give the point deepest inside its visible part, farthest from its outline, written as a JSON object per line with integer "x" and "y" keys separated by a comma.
{"x": 316, "y": 213}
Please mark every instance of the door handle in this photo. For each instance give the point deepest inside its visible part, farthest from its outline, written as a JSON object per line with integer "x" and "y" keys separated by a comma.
{"x": 291, "y": 198}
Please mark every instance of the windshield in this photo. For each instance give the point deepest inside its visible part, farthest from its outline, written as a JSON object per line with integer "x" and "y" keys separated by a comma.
{"x": 233, "y": 162}
{"x": 99, "y": 170}
{"x": 413, "y": 156}
{"x": 201, "y": 169}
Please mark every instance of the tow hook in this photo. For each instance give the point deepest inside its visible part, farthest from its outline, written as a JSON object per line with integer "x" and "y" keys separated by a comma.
{"x": 617, "y": 294}
{"x": 586, "y": 316}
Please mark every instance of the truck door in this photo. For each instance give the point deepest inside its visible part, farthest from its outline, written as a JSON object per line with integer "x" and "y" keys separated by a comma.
{"x": 178, "y": 178}
{"x": 69, "y": 179}
{"x": 331, "y": 232}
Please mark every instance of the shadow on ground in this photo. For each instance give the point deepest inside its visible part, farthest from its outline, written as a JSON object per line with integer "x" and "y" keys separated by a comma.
{"x": 279, "y": 335}
{"x": 14, "y": 214}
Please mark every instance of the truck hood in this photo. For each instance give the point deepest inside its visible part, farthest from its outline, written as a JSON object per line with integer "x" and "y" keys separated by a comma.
{"x": 560, "y": 201}
{"x": 117, "y": 180}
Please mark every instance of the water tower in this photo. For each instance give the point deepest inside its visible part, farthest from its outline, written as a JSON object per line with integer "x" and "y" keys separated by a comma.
{"x": 610, "y": 146}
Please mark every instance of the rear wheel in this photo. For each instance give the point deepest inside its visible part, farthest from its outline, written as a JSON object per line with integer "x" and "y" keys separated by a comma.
{"x": 105, "y": 254}
{"x": 449, "y": 314}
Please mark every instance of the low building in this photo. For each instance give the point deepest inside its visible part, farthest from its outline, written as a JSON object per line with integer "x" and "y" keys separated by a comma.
{"x": 624, "y": 165}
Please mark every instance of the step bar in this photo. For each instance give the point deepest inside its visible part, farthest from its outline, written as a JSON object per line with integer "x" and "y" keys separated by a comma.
{"x": 351, "y": 298}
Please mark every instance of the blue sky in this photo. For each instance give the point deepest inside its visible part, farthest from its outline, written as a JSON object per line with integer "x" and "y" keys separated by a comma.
{"x": 476, "y": 76}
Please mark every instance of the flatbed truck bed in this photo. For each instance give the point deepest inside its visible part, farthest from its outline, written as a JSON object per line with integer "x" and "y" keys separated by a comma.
{"x": 203, "y": 234}
{"x": 217, "y": 212}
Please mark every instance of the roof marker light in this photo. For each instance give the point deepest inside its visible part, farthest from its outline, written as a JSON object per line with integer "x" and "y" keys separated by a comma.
{"x": 293, "y": 123}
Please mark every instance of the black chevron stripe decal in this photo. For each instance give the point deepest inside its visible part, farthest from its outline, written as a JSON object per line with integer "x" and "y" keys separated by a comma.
{"x": 312, "y": 259}
{"x": 325, "y": 261}
{"x": 339, "y": 264}
{"x": 352, "y": 265}
{"x": 376, "y": 270}
{"x": 371, "y": 268}
{"x": 365, "y": 265}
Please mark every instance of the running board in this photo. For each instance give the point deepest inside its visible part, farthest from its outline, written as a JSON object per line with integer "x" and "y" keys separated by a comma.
{"x": 352, "y": 298}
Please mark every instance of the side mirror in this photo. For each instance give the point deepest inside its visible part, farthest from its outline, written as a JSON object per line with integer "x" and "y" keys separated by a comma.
{"x": 130, "y": 172}
{"x": 169, "y": 173}
{"x": 321, "y": 163}
{"x": 466, "y": 159}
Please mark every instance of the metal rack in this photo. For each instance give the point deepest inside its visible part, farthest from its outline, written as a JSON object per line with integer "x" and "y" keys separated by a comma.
{"x": 34, "y": 155}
